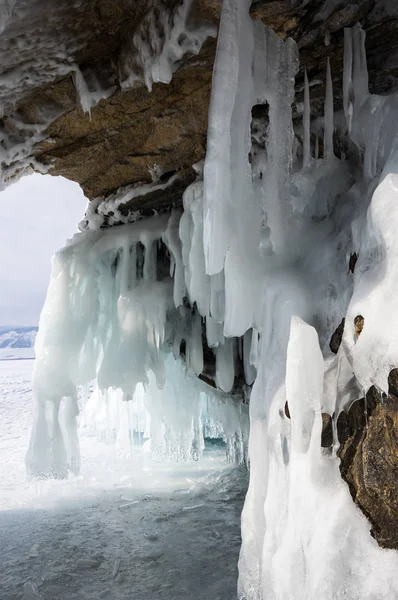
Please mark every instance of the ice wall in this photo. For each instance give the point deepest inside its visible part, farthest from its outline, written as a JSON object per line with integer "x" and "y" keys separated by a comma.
{"x": 117, "y": 313}
{"x": 170, "y": 423}
{"x": 291, "y": 222}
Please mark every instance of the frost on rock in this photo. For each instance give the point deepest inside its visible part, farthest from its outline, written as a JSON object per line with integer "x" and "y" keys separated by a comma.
{"x": 40, "y": 43}
{"x": 161, "y": 41}
{"x": 89, "y": 93}
{"x": 103, "y": 212}
{"x": 36, "y": 50}
{"x": 6, "y": 12}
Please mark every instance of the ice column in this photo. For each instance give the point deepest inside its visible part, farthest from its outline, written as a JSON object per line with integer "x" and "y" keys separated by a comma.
{"x": 275, "y": 66}
{"x": 328, "y": 117}
{"x": 306, "y": 123}
{"x": 104, "y": 318}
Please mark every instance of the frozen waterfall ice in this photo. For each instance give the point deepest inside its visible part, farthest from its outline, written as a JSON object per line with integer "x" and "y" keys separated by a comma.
{"x": 115, "y": 314}
{"x": 254, "y": 270}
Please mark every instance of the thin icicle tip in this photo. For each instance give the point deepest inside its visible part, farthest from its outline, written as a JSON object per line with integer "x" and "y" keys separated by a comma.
{"x": 306, "y": 123}
{"x": 329, "y": 114}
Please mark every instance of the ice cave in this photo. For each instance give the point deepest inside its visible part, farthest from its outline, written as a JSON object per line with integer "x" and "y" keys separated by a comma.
{"x": 233, "y": 275}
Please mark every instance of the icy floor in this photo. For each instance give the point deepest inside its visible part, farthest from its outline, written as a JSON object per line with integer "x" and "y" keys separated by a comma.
{"x": 125, "y": 529}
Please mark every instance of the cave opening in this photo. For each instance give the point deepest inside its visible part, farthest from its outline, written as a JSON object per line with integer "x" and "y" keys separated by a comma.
{"x": 160, "y": 473}
{"x": 227, "y": 309}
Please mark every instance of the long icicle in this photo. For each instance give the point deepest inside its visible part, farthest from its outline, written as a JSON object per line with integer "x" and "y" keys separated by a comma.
{"x": 306, "y": 123}
{"x": 328, "y": 115}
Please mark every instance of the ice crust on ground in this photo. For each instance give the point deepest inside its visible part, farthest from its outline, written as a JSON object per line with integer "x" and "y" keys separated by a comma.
{"x": 128, "y": 527}
{"x": 257, "y": 265}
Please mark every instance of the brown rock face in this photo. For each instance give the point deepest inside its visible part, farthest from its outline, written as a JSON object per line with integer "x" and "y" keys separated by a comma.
{"x": 368, "y": 436}
{"x": 337, "y": 337}
{"x": 47, "y": 47}
{"x": 369, "y": 459}
{"x": 43, "y": 43}
{"x": 131, "y": 132}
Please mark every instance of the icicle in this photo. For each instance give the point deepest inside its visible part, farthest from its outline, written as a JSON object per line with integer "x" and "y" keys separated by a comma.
{"x": 347, "y": 77}
{"x": 250, "y": 371}
{"x": 228, "y": 200}
{"x": 328, "y": 115}
{"x": 172, "y": 241}
{"x": 125, "y": 270}
{"x": 359, "y": 68}
{"x": 83, "y": 92}
{"x": 191, "y": 234}
{"x": 195, "y": 346}
{"x": 214, "y": 333}
{"x": 254, "y": 348}
{"x": 225, "y": 367}
{"x": 304, "y": 392}
{"x": 306, "y": 123}
{"x": 327, "y": 38}
{"x": 278, "y": 73}
{"x": 70, "y": 413}
{"x": 150, "y": 260}
{"x": 132, "y": 275}
{"x": 177, "y": 344}
{"x": 217, "y": 297}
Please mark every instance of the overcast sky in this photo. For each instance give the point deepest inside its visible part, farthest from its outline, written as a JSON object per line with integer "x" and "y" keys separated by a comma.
{"x": 37, "y": 215}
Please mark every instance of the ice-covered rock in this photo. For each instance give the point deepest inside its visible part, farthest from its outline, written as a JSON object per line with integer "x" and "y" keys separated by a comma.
{"x": 243, "y": 287}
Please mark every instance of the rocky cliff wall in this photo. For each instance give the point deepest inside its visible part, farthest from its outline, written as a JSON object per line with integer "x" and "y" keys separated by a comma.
{"x": 62, "y": 58}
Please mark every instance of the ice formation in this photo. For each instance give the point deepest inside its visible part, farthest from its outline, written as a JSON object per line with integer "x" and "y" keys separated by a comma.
{"x": 90, "y": 93}
{"x": 170, "y": 423}
{"x": 117, "y": 313}
{"x": 6, "y": 11}
{"x": 161, "y": 41}
{"x": 256, "y": 267}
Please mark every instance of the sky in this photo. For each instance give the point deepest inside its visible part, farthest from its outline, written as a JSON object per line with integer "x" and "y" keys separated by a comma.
{"x": 37, "y": 215}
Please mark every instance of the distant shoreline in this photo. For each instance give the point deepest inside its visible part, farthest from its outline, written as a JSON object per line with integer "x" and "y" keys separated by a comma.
{"x": 18, "y": 358}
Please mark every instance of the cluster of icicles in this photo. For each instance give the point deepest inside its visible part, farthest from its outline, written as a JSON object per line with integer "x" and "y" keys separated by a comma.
{"x": 261, "y": 252}
{"x": 117, "y": 314}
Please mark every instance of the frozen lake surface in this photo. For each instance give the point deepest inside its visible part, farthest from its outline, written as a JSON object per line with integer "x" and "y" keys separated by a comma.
{"x": 126, "y": 528}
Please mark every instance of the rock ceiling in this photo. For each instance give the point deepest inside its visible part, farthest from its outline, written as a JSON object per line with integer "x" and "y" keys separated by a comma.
{"x": 45, "y": 43}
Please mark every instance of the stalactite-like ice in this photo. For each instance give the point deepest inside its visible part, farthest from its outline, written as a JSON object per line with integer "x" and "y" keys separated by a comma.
{"x": 6, "y": 11}
{"x": 306, "y": 123}
{"x": 230, "y": 240}
{"x": 313, "y": 218}
{"x": 89, "y": 96}
{"x": 161, "y": 41}
{"x": 115, "y": 314}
